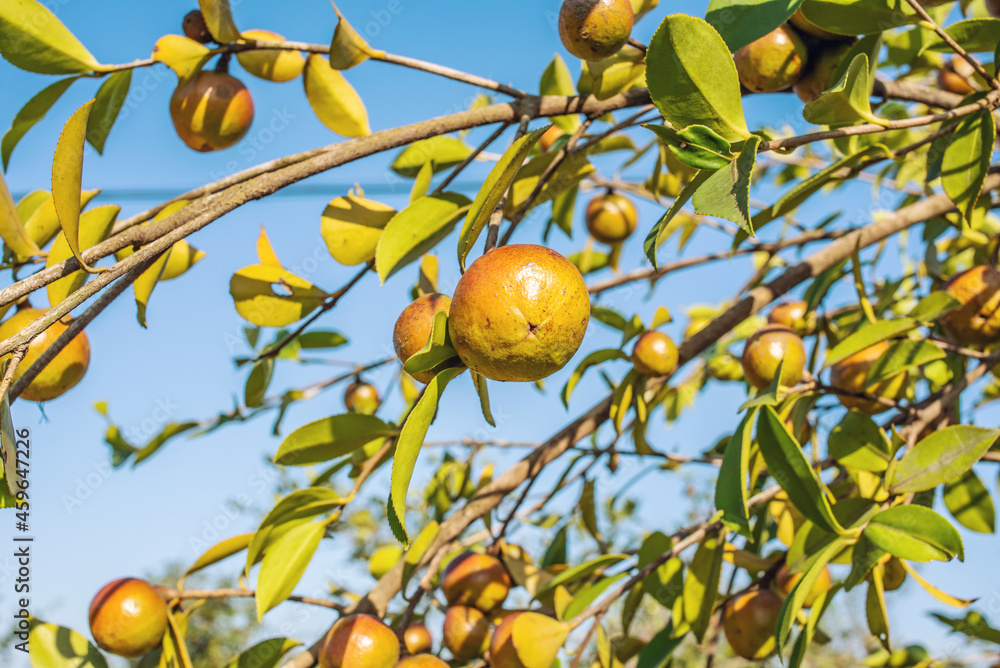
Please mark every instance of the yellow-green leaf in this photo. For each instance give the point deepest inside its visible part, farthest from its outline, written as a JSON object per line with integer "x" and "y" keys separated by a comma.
{"x": 183, "y": 55}
{"x": 264, "y": 654}
{"x": 67, "y": 176}
{"x": 217, "y": 553}
{"x": 330, "y": 438}
{"x": 11, "y": 229}
{"x": 348, "y": 47}
{"x": 144, "y": 285}
{"x": 556, "y": 80}
{"x": 441, "y": 152}
{"x": 942, "y": 596}
{"x": 32, "y": 112}
{"x": 335, "y": 101}
{"x": 32, "y": 38}
{"x": 95, "y": 226}
{"x": 219, "y": 20}
{"x": 701, "y": 586}
{"x": 352, "y": 226}
{"x": 416, "y": 230}
{"x": 284, "y": 563}
{"x": 42, "y": 225}
{"x": 107, "y": 104}
{"x": 537, "y": 639}
{"x": 273, "y": 297}
{"x": 55, "y": 646}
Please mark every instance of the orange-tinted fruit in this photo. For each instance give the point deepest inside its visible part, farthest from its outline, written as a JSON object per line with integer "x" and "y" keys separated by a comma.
{"x": 549, "y": 137}
{"x": 611, "y": 218}
{"x": 595, "y": 29}
{"x": 851, "y": 374}
{"x": 654, "y": 354}
{"x": 361, "y": 397}
{"x": 977, "y": 321}
{"x": 502, "y": 651}
{"x": 750, "y": 622}
{"x": 211, "y": 111}
{"x": 773, "y": 62}
{"x": 795, "y": 316}
{"x": 128, "y": 617}
{"x": 417, "y": 639}
{"x": 359, "y": 641}
{"x": 784, "y": 583}
{"x": 413, "y": 329}
{"x": 769, "y": 347}
{"x": 421, "y": 661}
{"x": 474, "y": 579}
{"x": 63, "y": 372}
{"x": 466, "y": 632}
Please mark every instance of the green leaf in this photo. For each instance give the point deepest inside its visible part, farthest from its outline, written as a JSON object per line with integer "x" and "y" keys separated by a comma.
{"x": 743, "y": 21}
{"x": 969, "y": 502}
{"x": 55, "y": 646}
{"x": 443, "y": 152}
{"x": 696, "y": 146}
{"x": 417, "y": 550}
{"x": 32, "y": 38}
{"x": 976, "y": 35}
{"x": 792, "y": 606}
{"x": 417, "y": 229}
{"x": 556, "y": 552}
{"x": 258, "y": 382}
{"x": 222, "y": 550}
{"x": 562, "y": 210}
{"x": 802, "y": 642}
{"x": 284, "y": 563}
{"x": 966, "y": 161}
{"x": 593, "y": 359}
{"x": 942, "y": 457}
{"x": 291, "y": 511}
{"x": 790, "y": 468}
{"x": 902, "y": 356}
{"x": 32, "y": 112}
{"x": 67, "y": 173}
{"x": 859, "y": 443}
{"x": 219, "y": 20}
{"x": 169, "y": 431}
{"x": 692, "y": 78}
{"x": 868, "y": 336}
{"x": 436, "y": 351}
{"x": 858, "y": 17}
{"x": 484, "y": 397}
{"x": 652, "y": 241}
{"x": 847, "y": 102}
{"x": 107, "y": 104}
{"x": 330, "y": 438}
{"x": 701, "y": 586}
{"x": 606, "y": 78}
{"x": 916, "y": 533}
{"x": 264, "y": 654}
{"x": 875, "y": 610}
{"x": 731, "y": 486}
{"x": 570, "y": 172}
{"x": 657, "y": 653}
{"x": 579, "y": 572}
{"x": 409, "y": 443}
{"x": 933, "y": 306}
{"x": 10, "y": 471}
{"x": 348, "y": 48}
{"x": 493, "y": 189}
{"x": 324, "y": 339}
{"x": 337, "y": 105}
{"x": 726, "y": 193}
{"x": 422, "y": 184}
{"x": 583, "y": 598}
{"x": 11, "y": 229}
{"x": 185, "y": 56}
{"x": 556, "y": 80}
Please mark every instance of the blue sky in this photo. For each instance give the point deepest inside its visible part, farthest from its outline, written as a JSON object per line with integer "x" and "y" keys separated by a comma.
{"x": 93, "y": 525}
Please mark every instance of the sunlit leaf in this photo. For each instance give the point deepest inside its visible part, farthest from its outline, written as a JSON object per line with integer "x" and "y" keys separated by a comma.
{"x": 330, "y": 438}
{"x": 915, "y": 533}
{"x": 416, "y": 230}
{"x": 284, "y": 563}
{"x": 94, "y": 227}
{"x": 942, "y": 457}
{"x": 32, "y": 38}
{"x": 32, "y": 112}
{"x": 335, "y": 101}
{"x": 219, "y": 20}
{"x": 55, "y": 646}
{"x": 182, "y": 54}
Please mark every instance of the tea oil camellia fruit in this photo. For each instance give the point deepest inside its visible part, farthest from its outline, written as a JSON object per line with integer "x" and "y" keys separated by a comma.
{"x": 750, "y": 621}
{"x": 822, "y": 68}
{"x": 956, "y": 76}
{"x": 475, "y": 579}
{"x": 359, "y": 641}
{"x": 795, "y": 316}
{"x": 417, "y": 639}
{"x": 611, "y": 218}
{"x": 549, "y": 137}
{"x": 773, "y": 62}
{"x": 893, "y": 575}
{"x": 784, "y": 583}
{"x": 63, "y": 372}
{"x": 851, "y": 374}
{"x": 361, "y": 397}
{"x": 769, "y": 347}
{"x": 977, "y": 320}
{"x": 270, "y": 64}
{"x": 503, "y": 654}
{"x": 211, "y": 111}
{"x": 422, "y": 661}
{"x": 654, "y": 355}
{"x": 466, "y": 632}
{"x": 413, "y": 329}
{"x": 128, "y": 617}
{"x": 595, "y": 29}
{"x": 195, "y": 28}
{"x": 519, "y": 313}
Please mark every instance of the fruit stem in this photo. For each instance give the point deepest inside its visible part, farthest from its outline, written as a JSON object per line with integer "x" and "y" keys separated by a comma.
{"x": 223, "y": 64}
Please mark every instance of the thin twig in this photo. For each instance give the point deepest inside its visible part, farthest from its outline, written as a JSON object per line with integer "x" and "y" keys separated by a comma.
{"x": 209, "y": 594}
{"x": 472, "y": 156}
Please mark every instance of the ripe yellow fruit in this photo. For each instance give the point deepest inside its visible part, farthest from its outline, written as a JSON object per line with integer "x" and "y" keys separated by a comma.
{"x": 503, "y": 654}
{"x": 549, "y": 137}
{"x": 466, "y": 632}
{"x": 784, "y": 583}
{"x": 475, "y": 579}
{"x": 413, "y": 329}
{"x": 361, "y": 397}
{"x": 128, "y": 617}
{"x": 773, "y": 62}
{"x": 595, "y": 29}
{"x": 212, "y": 111}
{"x": 519, "y": 313}
{"x": 654, "y": 355}
{"x": 276, "y": 65}
{"x": 422, "y": 661}
{"x": 417, "y": 639}
{"x": 795, "y": 316}
{"x": 359, "y": 641}
{"x": 977, "y": 321}
{"x": 767, "y": 348}
{"x": 63, "y": 372}
{"x": 851, "y": 374}
{"x": 750, "y": 622}
{"x": 611, "y": 218}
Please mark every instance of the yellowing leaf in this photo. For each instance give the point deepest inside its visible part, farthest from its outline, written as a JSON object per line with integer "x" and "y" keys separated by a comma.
{"x": 43, "y": 224}
{"x": 348, "y": 47}
{"x": 259, "y": 301}
{"x": 219, "y": 20}
{"x": 944, "y": 597}
{"x": 537, "y": 639}
{"x": 352, "y": 226}
{"x": 335, "y": 102}
{"x": 144, "y": 285}
{"x": 11, "y": 229}
{"x": 67, "y": 174}
{"x": 265, "y": 252}
{"x": 181, "y": 54}
{"x": 32, "y": 38}
{"x": 95, "y": 226}
{"x": 59, "y": 647}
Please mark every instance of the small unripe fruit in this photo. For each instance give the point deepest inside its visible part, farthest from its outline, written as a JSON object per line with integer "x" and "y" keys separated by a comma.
{"x": 654, "y": 355}
{"x": 769, "y": 347}
{"x": 413, "y": 329}
{"x": 195, "y": 28}
{"x": 819, "y": 77}
{"x": 211, "y": 111}
{"x": 361, "y": 397}
{"x": 784, "y": 583}
{"x": 977, "y": 321}
{"x": 956, "y": 76}
{"x": 128, "y": 617}
{"x": 475, "y": 579}
{"x": 611, "y": 218}
{"x": 773, "y": 62}
{"x": 63, "y": 372}
{"x": 795, "y": 316}
{"x": 549, "y": 137}
{"x": 851, "y": 374}
{"x": 750, "y": 622}
{"x": 359, "y": 641}
{"x": 271, "y": 65}
{"x": 893, "y": 575}
{"x": 466, "y": 632}
{"x": 417, "y": 639}
{"x": 422, "y": 661}
{"x": 595, "y": 29}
